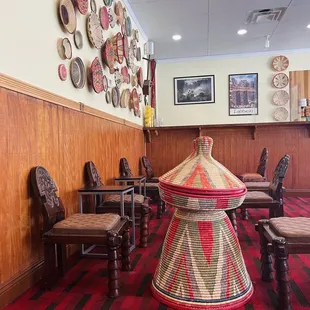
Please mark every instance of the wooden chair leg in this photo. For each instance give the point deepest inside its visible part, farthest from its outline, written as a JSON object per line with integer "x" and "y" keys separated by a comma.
{"x": 281, "y": 267}
{"x": 244, "y": 214}
{"x": 144, "y": 226}
{"x": 113, "y": 270}
{"x": 265, "y": 258}
{"x": 232, "y": 216}
{"x": 50, "y": 275}
{"x": 61, "y": 259}
{"x": 126, "y": 266}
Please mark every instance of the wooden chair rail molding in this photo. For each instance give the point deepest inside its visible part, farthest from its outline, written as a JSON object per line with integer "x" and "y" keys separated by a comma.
{"x": 36, "y": 92}
{"x": 253, "y": 127}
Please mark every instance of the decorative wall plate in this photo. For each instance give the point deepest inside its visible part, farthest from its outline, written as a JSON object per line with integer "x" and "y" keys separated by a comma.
{"x": 62, "y": 72}
{"x": 118, "y": 47}
{"x": 280, "y": 80}
{"x": 60, "y": 49}
{"x": 134, "y": 101}
{"x": 108, "y": 97}
{"x": 93, "y": 6}
{"x": 96, "y": 76}
{"x": 107, "y": 53}
{"x": 112, "y": 17}
{"x": 125, "y": 12}
{"x": 123, "y": 30}
{"x": 108, "y": 2}
{"x": 105, "y": 83}
{"x": 125, "y": 75}
{"x": 67, "y": 48}
{"x": 125, "y": 98}
{"x": 78, "y": 39}
{"x": 280, "y": 63}
{"x": 281, "y": 97}
{"x": 119, "y": 11}
{"x": 115, "y": 97}
{"x": 134, "y": 80}
{"x": 133, "y": 46}
{"x": 104, "y": 18}
{"x": 67, "y": 15}
{"x": 138, "y": 54}
{"x": 82, "y": 6}
{"x": 128, "y": 26}
{"x": 125, "y": 47}
{"x": 94, "y": 30}
{"x": 280, "y": 114}
{"x": 77, "y": 72}
{"x": 140, "y": 77}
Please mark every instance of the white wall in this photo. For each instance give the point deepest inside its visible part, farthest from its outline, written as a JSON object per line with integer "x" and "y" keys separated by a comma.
{"x": 217, "y": 113}
{"x": 28, "y": 35}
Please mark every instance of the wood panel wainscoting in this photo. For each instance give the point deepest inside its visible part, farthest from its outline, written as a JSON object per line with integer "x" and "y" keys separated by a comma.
{"x": 238, "y": 147}
{"x": 37, "y": 132}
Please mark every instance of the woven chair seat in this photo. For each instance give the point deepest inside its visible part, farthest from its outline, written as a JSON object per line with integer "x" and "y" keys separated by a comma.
{"x": 257, "y": 185}
{"x": 151, "y": 185}
{"x": 138, "y": 199}
{"x": 153, "y": 179}
{"x": 86, "y": 224}
{"x": 296, "y": 229}
{"x": 257, "y": 197}
{"x": 251, "y": 177}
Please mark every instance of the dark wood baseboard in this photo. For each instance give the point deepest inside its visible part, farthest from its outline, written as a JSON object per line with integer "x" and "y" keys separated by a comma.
{"x": 297, "y": 192}
{"x": 28, "y": 277}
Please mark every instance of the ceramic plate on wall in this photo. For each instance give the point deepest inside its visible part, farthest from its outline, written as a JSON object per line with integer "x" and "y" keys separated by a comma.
{"x": 280, "y": 114}
{"x": 62, "y": 72}
{"x": 67, "y": 15}
{"x": 115, "y": 97}
{"x": 77, "y": 72}
{"x": 82, "y": 6}
{"x": 280, "y": 80}
{"x": 78, "y": 39}
{"x": 104, "y": 18}
{"x": 96, "y": 76}
{"x": 95, "y": 30}
{"x": 280, "y": 63}
{"x": 281, "y": 97}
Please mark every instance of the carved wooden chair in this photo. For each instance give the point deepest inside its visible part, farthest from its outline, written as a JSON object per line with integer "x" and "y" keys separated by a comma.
{"x": 280, "y": 237}
{"x": 109, "y": 230}
{"x": 150, "y": 176}
{"x": 111, "y": 203}
{"x": 261, "y": 173}
{"x": 151, "y": 188}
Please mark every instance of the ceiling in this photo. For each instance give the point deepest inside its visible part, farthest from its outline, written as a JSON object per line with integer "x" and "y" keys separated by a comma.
{"x": 209, "y": 27}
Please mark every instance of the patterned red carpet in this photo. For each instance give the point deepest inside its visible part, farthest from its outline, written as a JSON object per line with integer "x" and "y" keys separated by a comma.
{"x": 85, "y": 285}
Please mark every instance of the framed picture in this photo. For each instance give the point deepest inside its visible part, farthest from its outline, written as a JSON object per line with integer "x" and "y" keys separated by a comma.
{"x": 194, "y": 90}
{"x": 243, "y": 94}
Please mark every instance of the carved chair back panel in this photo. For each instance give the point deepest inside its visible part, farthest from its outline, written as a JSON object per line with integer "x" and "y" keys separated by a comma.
{"x": 93, "y": 175}
{"x": 125, "y": 170}
{"x": 148, "y": 168}
{"x": 263, "y": 162}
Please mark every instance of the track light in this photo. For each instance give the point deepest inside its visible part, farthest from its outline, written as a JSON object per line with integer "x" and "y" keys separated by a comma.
{"x": 267, "y": 42}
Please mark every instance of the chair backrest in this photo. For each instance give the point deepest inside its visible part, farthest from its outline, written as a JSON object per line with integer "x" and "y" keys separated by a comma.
{"x": 276, "y": 185}
{"x": 148, "y": 167}
{"x": 92, "y": 174}
{"x": 45, "y": 191}
{"x": 263, "y": 162}
{"x": 124, "y": 167}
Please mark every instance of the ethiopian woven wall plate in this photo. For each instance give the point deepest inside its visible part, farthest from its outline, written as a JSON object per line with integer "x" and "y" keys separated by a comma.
{"x": 107, "y": 53}
{"x": 82, "y": 6}
{"x": 77, "y": 72}
{"x": 280, "y": 114}
{"x": 125, "y": 98}
{"x": 78, "y": 39}
{"x": 104, "y": 18}
{"x": 67, "y": 15}
{"x": 280, "y": 80}
{"x": 118, "y": 47}
{"x": 96, "y": 76}
{"x": 62, "y": 72}
{"x": 115, "y": 97}
{"x": 94, "y": 30}
{"x": 108, "y": 2}
{"x": 280, "y": 63}
{"x": 281, "y": 97}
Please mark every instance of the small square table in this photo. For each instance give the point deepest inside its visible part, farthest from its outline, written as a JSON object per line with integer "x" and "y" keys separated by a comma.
{"x": 139, "y": 179}
{"x": 107, "y": 189}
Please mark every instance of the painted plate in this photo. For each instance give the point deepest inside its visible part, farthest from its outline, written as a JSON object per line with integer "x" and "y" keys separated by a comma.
{"x": 82, "y": 6}
{"x": 104, "y": 18}
{"x": 108, "y": 97}
{"x": 119, "y": 11}
{"x": 95, "y": 30}
{"x": 125, "y": 75}
{"x": 280, "y": 80}
{"x": 112, "y": 17}
{"x": 118, "y": 78}
{"x": 128, "y": 26}
{"x": 280, "y": 114}
{"x": 62, "y": 72}
{"x": 115, "y": 97}
{"x": 67, "y": 15}
{"x": 67, "y": 48}
{"x": 78, "y": 39}
{"x": 281, "y": 97}
{"x": 93, "y": 6}
{"x": 118, "y": 47}
{"x": 280, "y": 63}
{"x": 96, "y": 76}
{"x": 125, "y": 47}
{"x": 125, "y": 98}
{"x": 107, "y": 53}
{"x": 140, "y": 77}
{"x": 108, "y": 2}
{"x": 77, "y": 72}
{"x": 105, "y": 84}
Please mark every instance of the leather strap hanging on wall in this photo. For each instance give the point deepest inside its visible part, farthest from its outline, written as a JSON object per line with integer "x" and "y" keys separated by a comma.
{"x": 153, "y": 84}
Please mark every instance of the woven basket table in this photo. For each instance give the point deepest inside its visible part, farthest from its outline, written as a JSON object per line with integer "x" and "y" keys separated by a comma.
{"x": 201, "y": 265}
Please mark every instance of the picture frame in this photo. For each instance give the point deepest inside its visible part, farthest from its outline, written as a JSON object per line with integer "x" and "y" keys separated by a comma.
{"x": 194, "y": 90}
{"x": 243, "y": 94}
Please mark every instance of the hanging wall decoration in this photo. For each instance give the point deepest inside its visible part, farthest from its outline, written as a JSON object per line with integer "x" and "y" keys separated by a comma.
{"x": 112, "y": 17}
{"x": 107, "y": 53}
{"x": 67, "y": 15}
{"x": 104, "y": 18}
{"x": 115, "y": 97}
{"x": 94, "y": 30}
{"x": 119, "y": 11}
{"x": 280, "y": 80}
{"x": 125, "y": 98}
{"x": 108, "y": 2}
{"x": 93, "y": 6}
{"x": 78, "y": 39}
{"x": 96, "y": 76}
{"x": 62, "y": 72}
{"x": 105, "y": 83}
{"x": 108, "y": 96}
{"x": 281, "y": 97}
{"x": 118, "y": 48}
{"x": 280, "y": 63}
{"x": 60, "y": 49}
{"x": 280, "y": 114}
{"x": 128, "y": 26}
{"x": 82, "y": 6}
{"x": 77, "y": 72}
{"x": 140, "y": 77}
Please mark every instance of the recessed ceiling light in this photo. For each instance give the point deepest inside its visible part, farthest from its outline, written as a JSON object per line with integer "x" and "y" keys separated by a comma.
{"x": 308, "y": 26}
{"x": 176, "y": 37}
{"x": 242, "y": 31}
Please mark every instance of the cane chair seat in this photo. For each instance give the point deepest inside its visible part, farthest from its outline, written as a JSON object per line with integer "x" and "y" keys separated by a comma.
{"x": 138, "y": 199}
{"x": 257, "y": 196}
{"x": 86, "y": 224}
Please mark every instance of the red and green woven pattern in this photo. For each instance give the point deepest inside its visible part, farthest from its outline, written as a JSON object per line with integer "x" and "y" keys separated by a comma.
{"x": 201, "y": 266}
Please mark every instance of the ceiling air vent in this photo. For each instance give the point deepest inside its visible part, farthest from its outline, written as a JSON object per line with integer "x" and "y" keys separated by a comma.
{"x": 265, "y": 16}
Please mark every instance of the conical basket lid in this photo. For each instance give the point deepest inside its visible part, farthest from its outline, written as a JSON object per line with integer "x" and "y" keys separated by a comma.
{"x": 200, "y": 176}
